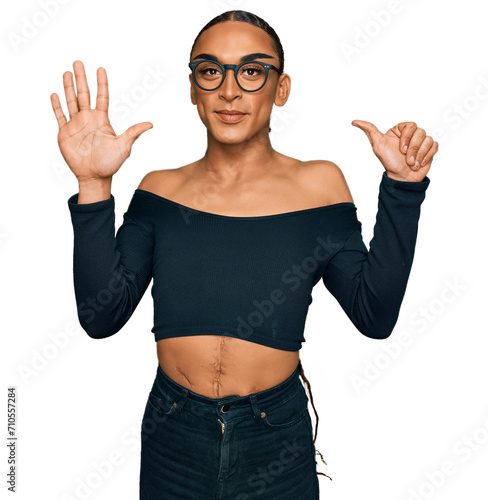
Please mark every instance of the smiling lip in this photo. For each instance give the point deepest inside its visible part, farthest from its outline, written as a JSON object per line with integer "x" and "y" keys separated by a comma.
{"x": 231, "y": 116}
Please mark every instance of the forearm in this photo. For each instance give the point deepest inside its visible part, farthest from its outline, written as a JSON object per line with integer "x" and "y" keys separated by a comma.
{"x": 110, "y": 273}
{"x": 94, "y": 190}
{"x": 370, "y": 285}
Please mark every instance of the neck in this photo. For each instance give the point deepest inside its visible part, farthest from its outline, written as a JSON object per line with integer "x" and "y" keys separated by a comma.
{"x": 237, "y": 162}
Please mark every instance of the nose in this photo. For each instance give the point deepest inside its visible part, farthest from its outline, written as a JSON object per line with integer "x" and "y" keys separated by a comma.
{"x": 229, "y": 88}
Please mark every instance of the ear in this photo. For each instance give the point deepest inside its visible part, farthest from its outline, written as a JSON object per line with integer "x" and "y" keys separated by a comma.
{"x": 282, "y": 90}
{"x": 192, "y": 90}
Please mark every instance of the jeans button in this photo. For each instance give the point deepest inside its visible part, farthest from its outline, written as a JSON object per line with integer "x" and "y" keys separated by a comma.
{"x": 225, "y": 408}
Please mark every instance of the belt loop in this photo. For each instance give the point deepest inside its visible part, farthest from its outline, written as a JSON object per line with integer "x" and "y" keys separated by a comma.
{"x": 255, "y": 407}
{"x": 182, "y": 400}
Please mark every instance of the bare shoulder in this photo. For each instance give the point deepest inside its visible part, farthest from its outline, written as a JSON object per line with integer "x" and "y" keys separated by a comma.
{"x": 162, "y": 181}
{"x": 326, "y": 180}
{"x": 152, "y": 179}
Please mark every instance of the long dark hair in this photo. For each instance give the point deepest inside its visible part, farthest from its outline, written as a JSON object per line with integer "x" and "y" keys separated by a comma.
{"x": 248, "y": 17}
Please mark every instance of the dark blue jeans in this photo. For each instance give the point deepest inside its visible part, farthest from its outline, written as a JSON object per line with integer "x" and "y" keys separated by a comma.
{"x": 232, "y": 448}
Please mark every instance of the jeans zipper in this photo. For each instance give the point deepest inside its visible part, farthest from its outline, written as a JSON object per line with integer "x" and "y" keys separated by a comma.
{"x": 222, "y": 424}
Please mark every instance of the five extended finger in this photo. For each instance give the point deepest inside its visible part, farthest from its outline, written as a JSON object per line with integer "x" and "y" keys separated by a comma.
{"x": 102, "y": 90}
{"x": 58, "y": 111}
{"x": 69, "y": 91}
{"x": 81, "y": 86}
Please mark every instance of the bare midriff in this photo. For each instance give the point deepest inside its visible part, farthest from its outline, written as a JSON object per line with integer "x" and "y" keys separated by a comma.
{"x": 216, "y": 366}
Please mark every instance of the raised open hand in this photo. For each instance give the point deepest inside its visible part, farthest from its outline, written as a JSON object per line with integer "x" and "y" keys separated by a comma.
{"x": 87, "y": 141}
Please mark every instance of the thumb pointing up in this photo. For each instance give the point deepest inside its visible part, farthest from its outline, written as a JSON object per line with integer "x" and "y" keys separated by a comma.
{"x": 391, "y": 149}
{"x": 374, "y": 135}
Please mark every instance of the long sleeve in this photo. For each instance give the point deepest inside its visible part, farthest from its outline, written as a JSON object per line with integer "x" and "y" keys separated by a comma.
{"x": 370, "y": 286}
{"x": 111, "y": 273}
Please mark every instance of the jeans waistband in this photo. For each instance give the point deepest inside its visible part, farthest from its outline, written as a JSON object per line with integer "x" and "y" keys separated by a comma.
{"x": 228, "y": 406}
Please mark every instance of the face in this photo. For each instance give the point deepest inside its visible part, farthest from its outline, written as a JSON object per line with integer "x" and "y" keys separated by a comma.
{"x": 228, "y": 42}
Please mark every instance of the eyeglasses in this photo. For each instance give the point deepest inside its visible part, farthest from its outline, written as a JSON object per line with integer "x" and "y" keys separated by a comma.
{"x": 250, "y": 76}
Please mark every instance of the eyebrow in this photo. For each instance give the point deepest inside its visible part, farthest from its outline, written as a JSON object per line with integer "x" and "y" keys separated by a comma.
{"x": 246, "y": 58}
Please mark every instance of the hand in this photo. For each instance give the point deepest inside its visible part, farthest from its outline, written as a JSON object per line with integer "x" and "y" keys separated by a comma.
{"x": 87, "y": 141}
{"x": 390, "y": 149}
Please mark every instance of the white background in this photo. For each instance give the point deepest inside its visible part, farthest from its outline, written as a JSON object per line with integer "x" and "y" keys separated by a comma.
{"x": 391, "y": 415}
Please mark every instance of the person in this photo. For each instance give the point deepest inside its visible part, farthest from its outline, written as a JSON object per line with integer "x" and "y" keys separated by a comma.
{"x": 234, "y": 243}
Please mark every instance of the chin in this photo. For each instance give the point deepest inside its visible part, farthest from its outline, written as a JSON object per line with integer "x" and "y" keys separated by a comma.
{"x": 230, "y": 136}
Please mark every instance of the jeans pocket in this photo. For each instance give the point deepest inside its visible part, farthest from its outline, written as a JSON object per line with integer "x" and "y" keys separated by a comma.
{"x": 286, "y": 413}
{"x": 161, "y": 403}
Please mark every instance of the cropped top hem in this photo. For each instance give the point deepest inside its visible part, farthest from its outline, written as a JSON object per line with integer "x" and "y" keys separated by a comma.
{"x": 180, "y": 331}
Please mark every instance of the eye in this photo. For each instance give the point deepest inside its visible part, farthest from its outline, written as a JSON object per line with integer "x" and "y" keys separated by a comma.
{"x": 208, "y": 71}
{"x": 251, "y": 71}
